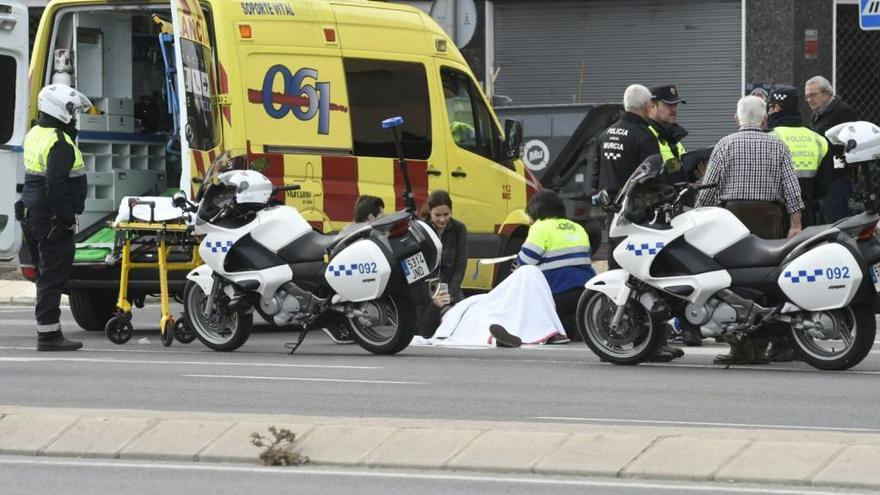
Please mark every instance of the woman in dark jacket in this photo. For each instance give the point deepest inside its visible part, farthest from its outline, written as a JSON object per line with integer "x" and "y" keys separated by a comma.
{"x": 453, "y": 235}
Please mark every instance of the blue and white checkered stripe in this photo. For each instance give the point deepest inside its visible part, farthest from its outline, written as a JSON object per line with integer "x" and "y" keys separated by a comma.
{"x": 801, "y": 275}
{"x": 219, "y": 246}
{"x": 339, "y": 270}
{"x": 645, "y": 248}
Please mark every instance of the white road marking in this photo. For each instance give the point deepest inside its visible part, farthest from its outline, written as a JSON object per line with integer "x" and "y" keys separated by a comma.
{"x": 298, "y": 379}
{"x": 188, "y": 363}
{"x": 700, "y": 423}
{"x": 672, "y": 486}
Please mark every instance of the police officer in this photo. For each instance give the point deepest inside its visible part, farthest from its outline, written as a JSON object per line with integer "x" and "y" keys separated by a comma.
{"x": 664, "y": 126}
{"x": 808, "y": 149}
{"x": 622, "y": 147}
{"x": 54, "y": 193}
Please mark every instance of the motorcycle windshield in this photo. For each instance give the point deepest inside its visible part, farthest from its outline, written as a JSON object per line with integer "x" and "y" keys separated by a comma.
{"x": 650, "y": 168}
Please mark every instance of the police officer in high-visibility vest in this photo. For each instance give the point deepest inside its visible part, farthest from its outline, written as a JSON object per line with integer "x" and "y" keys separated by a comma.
{"x": 561, "y": 249}
{"x": 808, "y": 149}
{"x": 54, "y": 193}
{"x": 663, "y": 121}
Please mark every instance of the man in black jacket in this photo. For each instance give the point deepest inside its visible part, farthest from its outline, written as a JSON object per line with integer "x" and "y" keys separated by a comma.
{"x": 626, "y": 143}
{"x": 828, "y": 111}
{"x": 54, "y": 193}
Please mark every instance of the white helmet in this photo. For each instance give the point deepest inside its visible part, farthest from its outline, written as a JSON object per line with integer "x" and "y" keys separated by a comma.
{"x": 251, "y": 187}
{"x": 861, "y": 140}
{"x": 62, "y": 102}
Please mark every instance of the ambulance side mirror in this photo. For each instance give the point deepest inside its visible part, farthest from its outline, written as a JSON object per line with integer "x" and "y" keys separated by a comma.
{"x": 513, "y": 140}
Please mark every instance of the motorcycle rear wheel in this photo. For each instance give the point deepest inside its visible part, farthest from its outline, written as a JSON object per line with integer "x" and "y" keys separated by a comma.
{"x": 390, "y": 328}
{"x": 633, "y": 342}
{"x": 221, "y": 332}
{"x": 856, "y": 338}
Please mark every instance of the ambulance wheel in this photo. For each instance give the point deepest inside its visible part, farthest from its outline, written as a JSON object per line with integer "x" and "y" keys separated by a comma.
{"x": 224, "y": 330}
{"x": 506, "y": 268}
{"x": 92, "y": 309}
{"x": 386, "y": 326}
{"x": 837, "y": 339}
{"x": 182, "y": 332}
{"x": 119, "y": 329}
{"x": 168, "y": 333}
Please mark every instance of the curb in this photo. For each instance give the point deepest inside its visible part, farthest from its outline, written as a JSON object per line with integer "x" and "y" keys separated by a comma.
{"x": 805, "y": 458}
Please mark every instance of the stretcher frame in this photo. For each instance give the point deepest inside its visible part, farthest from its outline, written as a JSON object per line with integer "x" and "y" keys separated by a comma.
{"x": 164, "y": 236}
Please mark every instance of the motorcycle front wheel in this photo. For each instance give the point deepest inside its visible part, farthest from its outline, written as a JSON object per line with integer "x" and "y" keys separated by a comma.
{"x": 838, "y": 339}
{"x": 385, "y": 326}
{"x": 222, "y": 331}
{"x": 632, "y": 342}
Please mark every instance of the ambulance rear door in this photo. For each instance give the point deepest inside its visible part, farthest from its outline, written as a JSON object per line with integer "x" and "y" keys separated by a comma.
{"x": 13, "y": 117}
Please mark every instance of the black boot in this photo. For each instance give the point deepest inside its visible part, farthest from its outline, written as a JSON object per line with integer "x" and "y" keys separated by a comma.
{"x": 55, "y": 341}
{"x": 503, "y": 338}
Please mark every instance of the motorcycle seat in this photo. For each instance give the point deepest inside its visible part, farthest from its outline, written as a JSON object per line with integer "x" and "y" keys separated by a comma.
{"x": 310, "y": 247}
{"x": 754, "y": 251}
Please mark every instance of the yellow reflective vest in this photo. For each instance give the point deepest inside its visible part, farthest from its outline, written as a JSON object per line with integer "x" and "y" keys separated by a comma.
{"x": 37, "y": 144}
{"x": 807, "y": 149}
{"x": 665, "y": 150}
{"x": 561, "y": 249}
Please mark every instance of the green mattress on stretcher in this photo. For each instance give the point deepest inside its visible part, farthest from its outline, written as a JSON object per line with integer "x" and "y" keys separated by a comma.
{"x": 96, "y": 248}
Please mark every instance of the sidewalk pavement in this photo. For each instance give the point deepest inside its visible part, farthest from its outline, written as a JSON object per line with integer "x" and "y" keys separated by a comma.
{"x": 806, "y": 458}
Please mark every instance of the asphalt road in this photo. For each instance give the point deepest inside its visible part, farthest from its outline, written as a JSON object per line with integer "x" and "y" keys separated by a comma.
{"x": 42, "y": 475}
{"x": 546, "y": 383}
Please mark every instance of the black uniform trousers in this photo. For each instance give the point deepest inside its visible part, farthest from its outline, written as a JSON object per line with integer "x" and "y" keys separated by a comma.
{"x": 53, "y": 260}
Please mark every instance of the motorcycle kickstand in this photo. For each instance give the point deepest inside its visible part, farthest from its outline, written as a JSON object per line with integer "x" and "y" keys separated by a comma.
{"x": 293, "y": 346}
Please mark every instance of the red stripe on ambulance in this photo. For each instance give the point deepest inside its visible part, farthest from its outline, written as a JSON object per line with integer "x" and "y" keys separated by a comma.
{"x": 418, "y": 178}
{"x": 340, "y": 185}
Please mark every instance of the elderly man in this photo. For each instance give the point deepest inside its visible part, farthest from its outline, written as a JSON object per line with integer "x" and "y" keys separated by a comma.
{"x": 752, "y": 165}
{"x": 828, "y": 111}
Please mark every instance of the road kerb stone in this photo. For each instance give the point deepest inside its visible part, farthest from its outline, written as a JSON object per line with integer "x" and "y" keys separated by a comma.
{"x": 594, "y": 454}
{"x": 684, "y": 457}
{"x": 26, "y": 294}
{"x": 790, "y": 462}
{"x": 420, "y": 448}
{"x": 98, "y": 437}
{"x": 507, "y": 450}
{"x": 25, "y": 434}
{"x": 175, "y": 439}
{"x": 336, "y": 444}
{"x": 857, "y": 466}
{"x": 235, "y": 445}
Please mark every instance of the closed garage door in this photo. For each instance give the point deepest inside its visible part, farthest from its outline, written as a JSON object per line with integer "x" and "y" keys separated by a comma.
{"x": 574, "y": 51}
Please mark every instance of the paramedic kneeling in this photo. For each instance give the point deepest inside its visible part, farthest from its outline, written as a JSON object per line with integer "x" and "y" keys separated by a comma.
{"x": 561, "y": 249}
{"x": 54, "y": 193}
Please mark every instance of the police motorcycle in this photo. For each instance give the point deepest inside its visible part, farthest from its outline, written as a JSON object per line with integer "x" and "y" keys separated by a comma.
{"x": 262, "y": 255}
{"x": 704, "y": 267}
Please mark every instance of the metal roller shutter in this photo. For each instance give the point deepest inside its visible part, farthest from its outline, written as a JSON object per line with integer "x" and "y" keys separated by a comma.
{"x": 588, "y": 51}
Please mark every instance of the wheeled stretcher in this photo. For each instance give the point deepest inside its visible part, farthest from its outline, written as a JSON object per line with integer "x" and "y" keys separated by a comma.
{"x": 148, "y": 229}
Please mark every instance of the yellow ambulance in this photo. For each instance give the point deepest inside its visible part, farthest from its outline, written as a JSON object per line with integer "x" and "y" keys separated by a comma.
{"x": 300, "y": 85}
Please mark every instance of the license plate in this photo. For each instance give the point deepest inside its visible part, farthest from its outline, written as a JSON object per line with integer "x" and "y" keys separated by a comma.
{"x": 415, "y": 267}
{"x": 875, "y": 276}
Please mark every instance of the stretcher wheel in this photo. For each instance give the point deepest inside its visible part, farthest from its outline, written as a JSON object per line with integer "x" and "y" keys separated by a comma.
{"x": 119, "y": 329}
{"x": 168, "y": 333}
{"x": 183, "y": 333}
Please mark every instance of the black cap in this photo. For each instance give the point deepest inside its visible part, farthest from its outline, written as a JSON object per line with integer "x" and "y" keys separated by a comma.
{"x": 667, "y": 94}
{"x": 783, "y": 95}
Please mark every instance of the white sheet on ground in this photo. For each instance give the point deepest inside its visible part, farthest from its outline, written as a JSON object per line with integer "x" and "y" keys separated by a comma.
{"x": 522, "y": 304}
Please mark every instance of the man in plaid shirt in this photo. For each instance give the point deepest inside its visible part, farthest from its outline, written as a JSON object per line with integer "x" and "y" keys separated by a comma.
{"x": 752, "y": 165}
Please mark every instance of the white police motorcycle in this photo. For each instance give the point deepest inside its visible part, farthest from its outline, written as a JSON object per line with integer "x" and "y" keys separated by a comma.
{"x": 704, "y": 267}
{"x": 260, "y": 254}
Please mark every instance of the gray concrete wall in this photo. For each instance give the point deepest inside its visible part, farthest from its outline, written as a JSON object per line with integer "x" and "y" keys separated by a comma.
{"x": 775, "y": 39}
